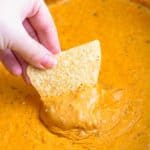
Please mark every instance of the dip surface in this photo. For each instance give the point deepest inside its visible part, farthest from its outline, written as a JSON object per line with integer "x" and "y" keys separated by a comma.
{"x": 123, "y": 27}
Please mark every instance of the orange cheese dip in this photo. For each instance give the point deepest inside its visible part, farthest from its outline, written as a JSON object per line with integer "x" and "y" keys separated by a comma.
{"x": 74, "y": 115}
{"x": 123, "y": 27}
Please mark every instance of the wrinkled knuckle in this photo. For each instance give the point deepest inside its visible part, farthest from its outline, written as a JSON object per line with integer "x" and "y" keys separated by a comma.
{"x": 36, "y": 7}
{"x": 4, "y": 43}
{"x": 5, "y": 36}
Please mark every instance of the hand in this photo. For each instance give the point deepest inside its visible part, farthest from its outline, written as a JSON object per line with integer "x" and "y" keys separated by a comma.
{"x": 27, "y": 36}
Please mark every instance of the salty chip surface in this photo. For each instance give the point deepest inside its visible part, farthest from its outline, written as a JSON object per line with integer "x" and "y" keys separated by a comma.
{"x": 76, "y": 67}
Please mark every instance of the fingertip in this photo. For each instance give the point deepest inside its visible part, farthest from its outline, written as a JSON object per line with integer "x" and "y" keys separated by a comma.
{"x": 57, "y": 51}
{"x": 54, "y": 50}
{"x": 16, "y": 70}
{"x": 54, "y": 46}
{"x": 48, "y": 61}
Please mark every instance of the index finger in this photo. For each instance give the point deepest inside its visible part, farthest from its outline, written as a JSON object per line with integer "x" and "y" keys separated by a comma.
{"x": 44, "y": 25}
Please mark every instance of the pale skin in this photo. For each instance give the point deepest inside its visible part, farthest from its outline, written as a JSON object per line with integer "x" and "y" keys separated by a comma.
{"x": 27, "y": 36}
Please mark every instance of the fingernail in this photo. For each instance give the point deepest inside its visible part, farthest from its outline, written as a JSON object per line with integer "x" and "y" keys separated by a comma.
{"x": 56, "y": 49}
{"x": 48, "y": 61}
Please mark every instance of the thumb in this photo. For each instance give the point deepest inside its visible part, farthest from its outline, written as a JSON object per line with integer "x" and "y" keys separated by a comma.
{"x": 32, "y": 51}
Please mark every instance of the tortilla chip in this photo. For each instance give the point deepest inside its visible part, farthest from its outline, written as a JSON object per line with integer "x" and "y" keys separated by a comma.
{"x": 76, "y": 67}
